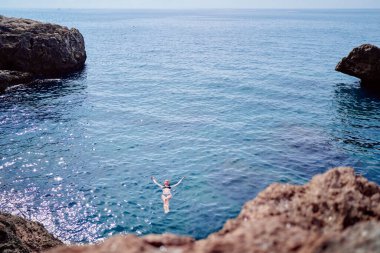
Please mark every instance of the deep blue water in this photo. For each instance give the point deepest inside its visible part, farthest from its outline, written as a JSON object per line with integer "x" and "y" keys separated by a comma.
{"x": 234, "y": 100}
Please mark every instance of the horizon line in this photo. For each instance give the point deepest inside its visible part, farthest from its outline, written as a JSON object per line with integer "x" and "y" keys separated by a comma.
{"x": 192, "y": 8}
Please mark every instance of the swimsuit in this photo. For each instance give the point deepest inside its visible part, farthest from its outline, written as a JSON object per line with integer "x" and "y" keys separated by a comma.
{"x": 166, "y": 194}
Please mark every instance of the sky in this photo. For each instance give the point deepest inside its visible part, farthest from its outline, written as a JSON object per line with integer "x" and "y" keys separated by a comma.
{"x": 190, "y": 4}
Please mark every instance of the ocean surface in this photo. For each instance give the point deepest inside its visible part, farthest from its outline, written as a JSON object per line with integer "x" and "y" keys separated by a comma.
{"x": 232, "y": 99}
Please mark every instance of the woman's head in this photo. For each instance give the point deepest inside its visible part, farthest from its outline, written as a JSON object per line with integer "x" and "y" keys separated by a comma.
{"x": 166, "y": 182}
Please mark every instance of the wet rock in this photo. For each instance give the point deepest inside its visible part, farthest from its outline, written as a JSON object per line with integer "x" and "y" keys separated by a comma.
{"x": 330, "y": 210}
{"x": 42, "y": 49}
{"x": 18, "y": 235}
{"x": 9, "y": 78}
{"x": 362, "y": 62}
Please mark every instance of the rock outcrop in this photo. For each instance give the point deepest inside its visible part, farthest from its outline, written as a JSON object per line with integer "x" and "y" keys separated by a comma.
{"x": 336, "y": 212}
{"x": 39, "y": 49}
{"x": 18, "y": 235}
{"x": 363, "y": 62}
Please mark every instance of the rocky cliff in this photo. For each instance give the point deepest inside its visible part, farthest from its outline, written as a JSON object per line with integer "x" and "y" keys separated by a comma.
{"x": 18, "y": 235}
{"x": 337, "y": 211}
{"x": 39, "y": 49}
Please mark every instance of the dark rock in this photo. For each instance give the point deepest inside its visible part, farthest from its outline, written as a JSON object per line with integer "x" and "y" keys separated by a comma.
{"x": 9, "y": 78}
{"x": 336, "y": 209}
{"x": 42, "y": 49}
{"x": 18, "y": 235}
{"x": 363, "y": 62}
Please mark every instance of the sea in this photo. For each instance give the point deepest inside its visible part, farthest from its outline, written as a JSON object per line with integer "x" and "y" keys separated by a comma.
{"x": 234, "y": 100}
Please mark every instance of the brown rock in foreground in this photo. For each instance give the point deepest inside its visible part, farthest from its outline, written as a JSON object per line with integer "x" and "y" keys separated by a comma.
{"x": 336, "y": 210}
{"x": 360, "y": 238}
{"x": 134, "y": 244}
{"x": 287, "y": 218}
{"x": 363, "y": 62}
{"x": 18, "y": 235}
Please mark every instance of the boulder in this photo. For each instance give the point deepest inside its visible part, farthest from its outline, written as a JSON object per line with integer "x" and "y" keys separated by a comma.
{"x": 336, "y": 210}
{"x": 18, "y": 235}
{"x": 41, "y": 49}
{"x": 363, "y": 62}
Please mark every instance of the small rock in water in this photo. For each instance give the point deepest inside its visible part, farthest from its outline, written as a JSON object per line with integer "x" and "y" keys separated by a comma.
{"x": 363, "y": 62}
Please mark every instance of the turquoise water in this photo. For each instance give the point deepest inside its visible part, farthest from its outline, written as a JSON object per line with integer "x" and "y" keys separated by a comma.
{"x": 234, "y": 100}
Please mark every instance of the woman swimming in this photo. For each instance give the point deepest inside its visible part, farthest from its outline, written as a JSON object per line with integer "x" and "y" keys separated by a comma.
{"x": 166, "y": 193}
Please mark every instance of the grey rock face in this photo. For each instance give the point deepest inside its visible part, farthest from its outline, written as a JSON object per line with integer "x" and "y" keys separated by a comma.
{"x": 363, "y": 62}
{"x": 42, "y": 49}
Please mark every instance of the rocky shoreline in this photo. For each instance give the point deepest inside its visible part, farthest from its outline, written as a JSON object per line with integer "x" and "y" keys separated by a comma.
{"x": 30, "y": 49}
{"x": 337, "y": 211}
{"x": 18, "y": 235}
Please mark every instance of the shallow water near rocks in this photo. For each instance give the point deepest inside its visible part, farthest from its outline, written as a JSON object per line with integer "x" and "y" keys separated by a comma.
{"x": 234, "y": 100}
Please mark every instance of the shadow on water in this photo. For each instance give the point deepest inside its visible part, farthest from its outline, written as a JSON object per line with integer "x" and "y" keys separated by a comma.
{"x": 42, "y": 94}
{"x": 357, "y": 116}
{"x": 371, "y": 89}
{"x": 73, "y": 81}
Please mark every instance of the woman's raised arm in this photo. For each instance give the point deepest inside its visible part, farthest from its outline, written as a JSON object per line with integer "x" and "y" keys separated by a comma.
{"x": 155, "y": 181}
{"x": 178, "y": 182}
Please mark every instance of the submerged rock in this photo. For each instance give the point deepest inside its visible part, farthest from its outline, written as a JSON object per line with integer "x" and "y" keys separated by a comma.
{"x": 9, "y": 77}
{"x": 336, "y": 210}
{"x": 18, "y": 235}
{"x": 363, "y": 62}
{"x": 41, "y": 49}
